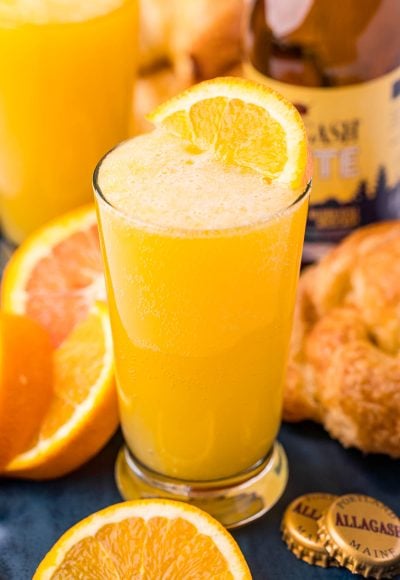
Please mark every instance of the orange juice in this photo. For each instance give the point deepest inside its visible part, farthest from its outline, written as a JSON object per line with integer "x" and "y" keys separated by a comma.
{"x": 67, "y": 72}
{"x": 202, "y": 261}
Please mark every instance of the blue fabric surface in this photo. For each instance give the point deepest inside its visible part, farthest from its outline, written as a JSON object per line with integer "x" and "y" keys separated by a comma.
{"x": 34, "y": 515}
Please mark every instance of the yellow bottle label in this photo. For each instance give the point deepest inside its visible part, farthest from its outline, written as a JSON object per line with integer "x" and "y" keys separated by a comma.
{"x": 354, "y": 132}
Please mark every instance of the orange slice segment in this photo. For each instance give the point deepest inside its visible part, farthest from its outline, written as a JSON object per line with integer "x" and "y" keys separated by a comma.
{"x": 242, "y": 123}
{"x": 148, "y": 539}
{"x": 82, "y": 414}
{"x": 57, "y": 274}
{"x": 25, "y": 383}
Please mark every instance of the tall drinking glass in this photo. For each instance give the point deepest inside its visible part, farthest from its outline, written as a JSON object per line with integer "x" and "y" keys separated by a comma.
{"x": 66, "y": 78}
{"x": 201, "y": 317}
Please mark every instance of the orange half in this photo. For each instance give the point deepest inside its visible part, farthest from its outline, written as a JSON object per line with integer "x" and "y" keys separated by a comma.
{"x": 57, "y": 274}
{"x": 82, "y": 413}
{"x": 147, "y": 539}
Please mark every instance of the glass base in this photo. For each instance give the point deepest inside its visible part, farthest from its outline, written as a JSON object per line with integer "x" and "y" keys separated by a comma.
{"x": 234, "y": 501}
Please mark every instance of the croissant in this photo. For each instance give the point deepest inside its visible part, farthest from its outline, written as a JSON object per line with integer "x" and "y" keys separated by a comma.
{"x": 344, "y": 364}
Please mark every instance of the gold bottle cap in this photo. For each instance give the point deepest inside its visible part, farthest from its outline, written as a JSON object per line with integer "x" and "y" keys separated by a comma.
{"x": 363, "y": 535}
{"x": 300, "y": 528}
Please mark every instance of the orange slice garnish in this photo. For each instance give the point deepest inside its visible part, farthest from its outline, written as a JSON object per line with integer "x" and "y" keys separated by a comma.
{"x": 243, "y": 123}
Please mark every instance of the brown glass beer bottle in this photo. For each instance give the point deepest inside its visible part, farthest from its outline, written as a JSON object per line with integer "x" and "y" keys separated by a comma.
{"x": 339, "y": 63}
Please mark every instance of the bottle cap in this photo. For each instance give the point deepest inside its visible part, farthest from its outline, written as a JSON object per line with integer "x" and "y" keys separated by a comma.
{"x": 300, "y": 528}
{"x": 363, "y": 535}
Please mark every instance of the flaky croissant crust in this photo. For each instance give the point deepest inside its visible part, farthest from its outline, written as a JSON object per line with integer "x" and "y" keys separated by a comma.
{"x": 344, "y": 366}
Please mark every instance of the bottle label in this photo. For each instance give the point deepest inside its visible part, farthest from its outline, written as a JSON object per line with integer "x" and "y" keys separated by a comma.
{"x": 354, "y": 132}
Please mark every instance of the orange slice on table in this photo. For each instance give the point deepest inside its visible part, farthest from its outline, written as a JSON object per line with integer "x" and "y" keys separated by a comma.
{"x": 25, "y": 382}
{"x": 243, "y": 123}
{"x": 56, "y": 278}
{"x": 149, "y": 539}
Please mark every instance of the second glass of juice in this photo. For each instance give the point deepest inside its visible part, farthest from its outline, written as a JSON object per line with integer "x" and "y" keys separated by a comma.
{"x": 67, "y": 73}
{"x": 202, "y": 262}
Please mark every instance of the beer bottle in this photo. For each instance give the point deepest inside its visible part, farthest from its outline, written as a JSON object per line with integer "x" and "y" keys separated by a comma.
{"x": 339, "y": 63}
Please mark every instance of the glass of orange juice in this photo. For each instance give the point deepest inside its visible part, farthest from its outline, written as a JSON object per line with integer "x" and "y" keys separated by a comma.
{"x": 202, "y": 260}
{"x": 67, "y": 74}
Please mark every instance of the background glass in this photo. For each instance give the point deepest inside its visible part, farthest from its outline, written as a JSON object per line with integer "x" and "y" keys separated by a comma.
{"x": 65, "y": 99}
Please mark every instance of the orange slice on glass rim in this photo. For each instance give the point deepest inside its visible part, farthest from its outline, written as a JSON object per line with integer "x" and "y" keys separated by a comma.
{"x": 242, "y": 123}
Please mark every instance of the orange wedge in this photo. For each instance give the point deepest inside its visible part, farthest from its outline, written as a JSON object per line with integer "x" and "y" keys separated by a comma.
{"x": 148, "y": 539}
{"x": 82, "y": 414}
{"x": 242, "y": 123}
{"x": 56, "y": 275}
{"x": 25, "y": 383}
